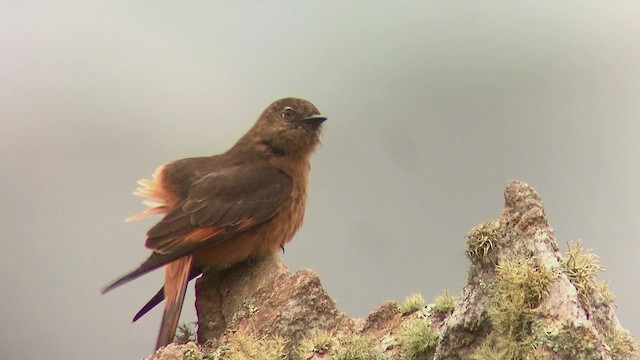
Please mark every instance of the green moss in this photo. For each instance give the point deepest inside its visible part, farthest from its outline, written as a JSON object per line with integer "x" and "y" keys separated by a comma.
{"x": 582, "y": 267}
{"x": 444, "y": 303}
{"x": 357, "y": 347}
{"x": 536, "y": 354}
{"x": 319, "y": 342}
{"x": 486, "y": 352}
{"x": 388, "y": 341}
{"x": 243, "y": 347}
{"x": 621, "y": 344}
{"x": 412, "y": 303}
{"x": 502, "y": 348}
{"x": 417, "y": 338}
{"x": 191, "y": 351}
{"x": 481, "y": 239}
{"x": 234, "y": 320}
{"x": 186, "y": 332}
{"x": 512, "y": 309}
{"x": 571, "y": 341}
{"x": 248, "y": 308}
{"x": 605, "y": 296}
{"x": 249, "y": 304}
{"x": 519, "y": 287}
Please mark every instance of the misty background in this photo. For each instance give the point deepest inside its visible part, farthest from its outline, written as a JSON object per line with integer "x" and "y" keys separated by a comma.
{"x": 433, "y": 107}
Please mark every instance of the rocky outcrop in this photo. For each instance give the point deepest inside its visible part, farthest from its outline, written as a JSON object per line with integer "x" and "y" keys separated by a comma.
{"x": 523, "y": 299}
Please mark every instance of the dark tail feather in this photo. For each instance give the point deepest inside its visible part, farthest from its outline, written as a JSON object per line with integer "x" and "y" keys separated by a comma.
{"x": 157, "y": 260}
{"x": 159, "y": 296}
{"x": 155, "y": 300}
{"x": 153, "y": 262}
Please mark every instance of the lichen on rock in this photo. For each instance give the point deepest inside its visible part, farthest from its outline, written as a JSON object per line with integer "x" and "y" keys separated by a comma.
{"x": 523, "y": 299}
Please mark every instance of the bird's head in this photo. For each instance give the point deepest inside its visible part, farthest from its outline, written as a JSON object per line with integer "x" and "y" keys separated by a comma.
{"x": 288, "y": 127}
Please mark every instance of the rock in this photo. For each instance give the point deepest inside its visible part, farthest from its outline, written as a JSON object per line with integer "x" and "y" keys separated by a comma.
{"x": 523, "y": 299}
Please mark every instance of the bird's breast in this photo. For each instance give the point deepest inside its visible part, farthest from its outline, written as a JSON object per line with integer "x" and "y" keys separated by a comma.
{"x": 261, "y": 240}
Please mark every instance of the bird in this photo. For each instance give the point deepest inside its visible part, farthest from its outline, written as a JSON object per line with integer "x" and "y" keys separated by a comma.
{"x": 219, "y": 210}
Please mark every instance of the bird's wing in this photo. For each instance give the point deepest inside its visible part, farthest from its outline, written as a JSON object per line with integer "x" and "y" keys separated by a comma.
{"x": 218, "y": 206}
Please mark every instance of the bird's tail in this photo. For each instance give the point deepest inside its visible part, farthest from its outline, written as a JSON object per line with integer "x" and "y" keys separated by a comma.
{"x": 176, "y": 277}
{"x": 159, "y": 296}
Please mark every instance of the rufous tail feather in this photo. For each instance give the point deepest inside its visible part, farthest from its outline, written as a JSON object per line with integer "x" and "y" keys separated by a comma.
{"x": 176, "y": 277}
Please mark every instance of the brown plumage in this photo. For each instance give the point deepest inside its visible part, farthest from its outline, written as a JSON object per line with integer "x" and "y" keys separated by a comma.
{"x": 221, "y": 210}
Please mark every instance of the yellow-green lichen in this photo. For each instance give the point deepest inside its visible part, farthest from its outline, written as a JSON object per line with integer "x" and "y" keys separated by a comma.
{"x": 621, "y": 344}
{"x": 185, "y": 332}
{"x": 412, "y": 303}
{"x": 605, "y": 296}
{"x": 572, "y": 341}
{"x": 249, "y": 304}
{"x": 536, "y": 354}
{"x": 417, "y": 338}
{"x": 481, "y": 239}
{"x": 582, "y": 268}
{"x": 319, "y": 342}
{"x": 357, "y": 347}
{"x": 512, "y": 308}
{"x": 513, "y": 299}
{"x": 243, "y": 347}
{"x": 388, "y": 341}
{"x": 248, "y": 308}
{"x": 234, "y": 320}
{"x": 502, "y": 348}
{"x": 188, "y": 351}
{"x": 444, "y": 303}
{"x": 191, "y": 351}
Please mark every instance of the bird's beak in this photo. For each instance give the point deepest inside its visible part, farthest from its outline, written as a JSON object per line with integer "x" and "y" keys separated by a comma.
{"x": 315, "y": 119}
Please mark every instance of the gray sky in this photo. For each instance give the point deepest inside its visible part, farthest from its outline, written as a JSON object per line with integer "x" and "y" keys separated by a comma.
{"x": 433, "y": 107}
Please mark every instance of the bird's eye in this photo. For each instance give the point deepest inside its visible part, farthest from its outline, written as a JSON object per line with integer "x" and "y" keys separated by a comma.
{"x": 287, "y": 113}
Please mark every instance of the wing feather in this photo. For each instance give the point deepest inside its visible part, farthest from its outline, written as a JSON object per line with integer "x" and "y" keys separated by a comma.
{"x": 222, "y": 199}
{"x": 217, "y": 207}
